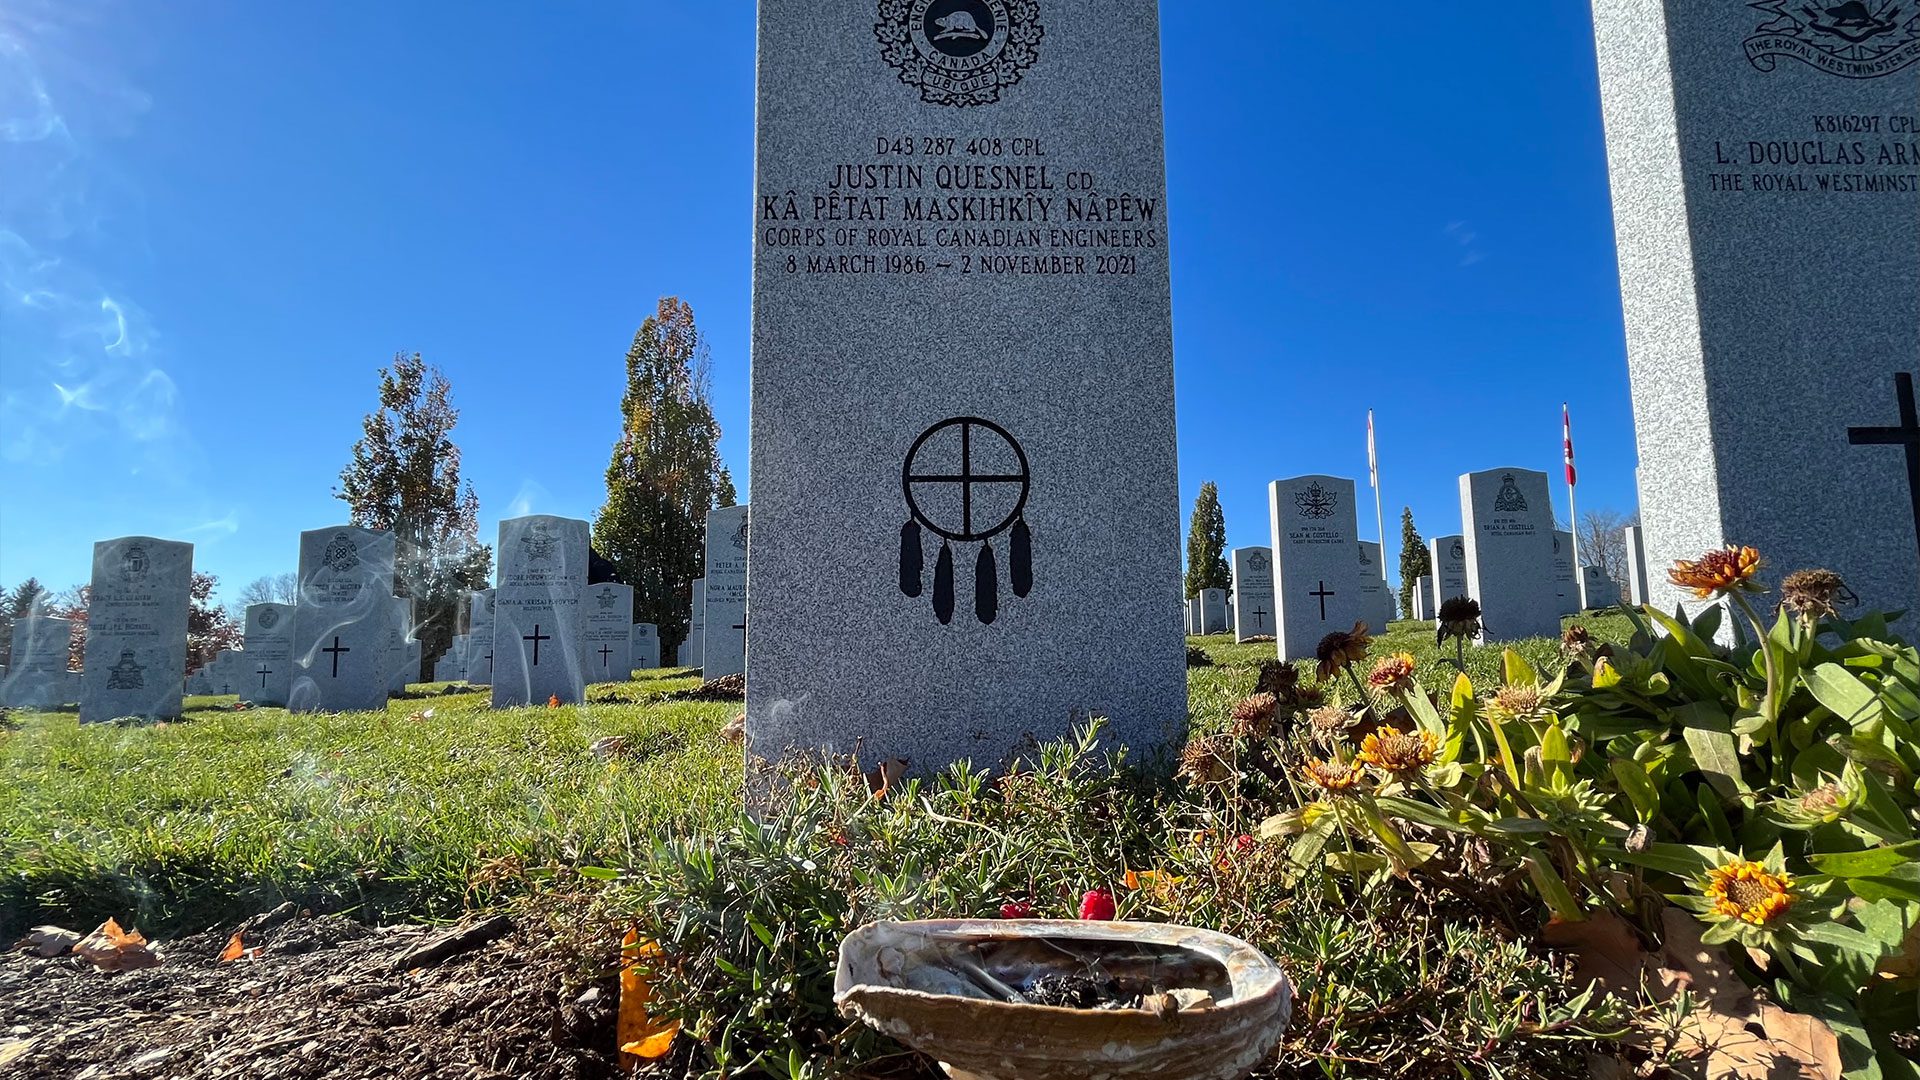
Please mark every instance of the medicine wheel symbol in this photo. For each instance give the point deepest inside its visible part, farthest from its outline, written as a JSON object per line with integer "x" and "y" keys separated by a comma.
{"x": 985, "y": 511}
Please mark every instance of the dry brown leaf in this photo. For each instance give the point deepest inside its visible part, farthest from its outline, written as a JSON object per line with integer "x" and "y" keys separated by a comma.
{"x": 1605, "y": 948}
{"x": 1904, "y": 962}
{"x": 882, "y": 777}
{"x": 110, "y": 948}
{"x": 48, "y": 941}
{"x": 736, "y": 729}
{"x": 235, "y": 949}
{"x": 637, "y": 1032}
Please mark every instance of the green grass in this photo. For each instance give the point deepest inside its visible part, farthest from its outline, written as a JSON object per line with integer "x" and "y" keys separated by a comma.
{"x": 187, "y": 825}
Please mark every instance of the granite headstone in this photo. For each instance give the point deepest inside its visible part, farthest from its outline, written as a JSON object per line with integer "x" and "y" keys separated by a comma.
{"x": 690, "y": 654}
{"x": 269, "y": 644}
{"x": 646, "y": 646}
{"x": 342, "y": 647}
{"x": 1637, "y": 587}
{"x": 136, "y": 647}
{"x": 1449, "y": 554}
{"x": 608, "y": 651}
{"x": 1316, "y": 558}
{"x": 724, "y": 651}
{"x": 1510, "y": 560}
{"x": 538, "y": 620}
{"x": 1253, "y": 608}
{"x": 37, "y": 671}
{"x": 1566, "y": 581}
{"x": 1374, "y": 592}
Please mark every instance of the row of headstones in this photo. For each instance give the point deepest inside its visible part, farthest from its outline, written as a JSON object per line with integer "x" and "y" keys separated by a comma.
{"x": 1248, "y": 610}
{"x": 1593, "y": 589}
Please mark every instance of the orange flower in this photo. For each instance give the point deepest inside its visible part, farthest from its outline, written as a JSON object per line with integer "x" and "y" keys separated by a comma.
{"x": 1392, "y": 672}
{"x": 1722, "y": 571}
{"x": 1332, "y": 777}
{"x": 553, "y": 701}
{"x": 1748, "y": 891}
{"x": 1399, "y": 752}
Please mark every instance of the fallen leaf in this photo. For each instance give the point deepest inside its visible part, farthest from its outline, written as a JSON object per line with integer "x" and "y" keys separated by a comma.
{"x": 883, "y": 776}
{"x": 736, "y": 729}
{"x": 48, "y": 941}
{"x": 234, "y": 950}
{"x": 110, "y": 948}
{"x": 638, "y": 1033}
{"x": 1606, "y": 949}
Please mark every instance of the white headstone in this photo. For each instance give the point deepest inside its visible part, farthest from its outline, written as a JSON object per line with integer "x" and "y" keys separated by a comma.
{"x": 1316, "y": 555}
{"x": 405, "y": 650}
{"x": 725, "y": 649}
{"x": 1510, "y": 564}
{"x": 1449, "y": 554}
{"x": 479, "y": 658}
{"x": 1637, "y": 593}
{"x": 608, "y": 652}
{"x": 646, "y": 646}
{"x": 1566, "y": 580}
{"x": 1254, "y": 613}
{"x": 1213, "y": 611}
{"x": 538, "y": 622}
{"x": 1597, "y": 590}
{"x": 343, "y": 658}
{"x": 1423, "y": 607}
{"x": 1374, "y": 591}
{"x": 690, "y": 654}
{"x": 137, "y": 629}
{"x": 269, "y": 644}
{"x": 37, "y": 674}
{"x": 1196, "y": 623}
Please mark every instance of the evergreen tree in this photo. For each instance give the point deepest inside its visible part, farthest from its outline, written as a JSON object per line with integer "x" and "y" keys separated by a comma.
{"x": 1416, "y": 561}
{"x": 405, "y": 479}
{"x": 1207, "y": 544}
{"x": 665, "y": 474}
{"x": 18, "y": 603}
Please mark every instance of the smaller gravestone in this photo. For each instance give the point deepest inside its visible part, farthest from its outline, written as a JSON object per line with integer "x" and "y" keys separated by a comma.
{"x": 1510, "y": 561}
{"x": 538, "y": 621}
{"x": 269, "y": 644}
{"x": 1566, "y": 579}
{"x": 1375, "y": 596}
{"x": 609, "y": 633}
{"x": 479, "y": 656}
{"x": 1449, "y": 554}
{"x": 1315, "y": 534}
{"x": 1597, "y": 590}
{"x": 1637, "y": 589}
{"x": 1423, "y": 607}
{"x": 137, "y": 629}
{"x": 1196, "y": 622}
{"x": 1213, "y": 611}
{"x": 1253, "y": 607}
{"x": 37, "y": 673}
{"x": 646, "y": 646}
{"x": 226, "y": 673}
{"x": 724, "y": 651}
{"x": 690, "y": 654}
{"x": 342, "y": 628}
{"x": 405, "y": 655}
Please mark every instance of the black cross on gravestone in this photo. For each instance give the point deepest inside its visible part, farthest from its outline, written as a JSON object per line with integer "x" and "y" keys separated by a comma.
{"x": 336, "y": 651}
{"x": 1260, "y": 617}
{"x": 1907, "y": 435}
{"x": 536, "y": 637}
{"x": 605, "y": 651}
{"x": 1323, "y": 593}
{"x": 263, "y": 673}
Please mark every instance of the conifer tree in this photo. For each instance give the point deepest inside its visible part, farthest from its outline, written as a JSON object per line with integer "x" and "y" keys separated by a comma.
{"x": 1207, "y": 544}
{"x": 405, "y": 478}
{"x": 19, "y": 602}
{"x": 1416, "y": 561}
{"x": 666, "y": 473}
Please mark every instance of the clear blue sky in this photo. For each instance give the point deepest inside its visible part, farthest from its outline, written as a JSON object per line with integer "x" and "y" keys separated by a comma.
{"x": 218, "y": 219}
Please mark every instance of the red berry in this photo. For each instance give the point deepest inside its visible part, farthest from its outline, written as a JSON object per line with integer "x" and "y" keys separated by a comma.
{"x": 1016, "y": 909}
{"x": 1242, "y": 844}
{"x": 1097, "y": 905}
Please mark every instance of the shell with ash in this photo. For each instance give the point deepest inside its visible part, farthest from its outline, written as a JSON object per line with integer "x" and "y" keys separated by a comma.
{"x": 1137, "y": 999}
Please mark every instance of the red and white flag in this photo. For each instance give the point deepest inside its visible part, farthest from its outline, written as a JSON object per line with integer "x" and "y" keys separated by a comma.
{"x": 1373, "y": 460}
{"x": 1566, "y": 430}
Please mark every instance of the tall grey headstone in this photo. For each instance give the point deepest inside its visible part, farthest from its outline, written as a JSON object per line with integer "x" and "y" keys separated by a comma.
{"x": 405, "y": 651}
{"x": 37, "y": 672}
{"x": 1316, "y": 556}
{"x": 136, "y": 651}
{"x": 479, "y": 660}
{"x": 725, "y": 649}
{"x": 538, "y": 620}
{"x": 1213, "y": 611}
{"x": 1510, "y": 562}
{"x": 342, "y": 652}
{"x": 646, "y": 646}
{"x": 1423, "y": 607}
{"x": 1566, "y": 579}
{"x": 269, "y": 645}
{"x": 1195, "y": 622}
{"x": 1449, "y": 554}
{"x": 1767, "y": 212}
{"x": 1254, "y": 614}
{"x": 1636, "y": 566}
{"x": 690, "y": 651}
{"x": 963, "y": 446}
{"x": 608, "y": 642}
{"x": 1375, "y": 594}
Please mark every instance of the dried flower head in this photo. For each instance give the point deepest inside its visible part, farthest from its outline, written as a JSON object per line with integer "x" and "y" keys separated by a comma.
{"x": 1332, "y": 777}
{"x": 1728, "y": 569}
{"x": 1253, "y": 716}
{"x": 1341, "y": 649}
{"x": 1577, "y": 639}
{"x": 1207, "y": 760}
{"x": 1401, "y": 753}
{"x": 1279, "y": 678}
{"x": 1459, "y": 618}
{"x": 1392, "y": 673}
{"x": 1815, "y": 594}
{"x": 1330, "y": 724}
{"x": 1825, "y": 799}
{"x": 1521, "y": 702}
{"x": 1748, "y": 891}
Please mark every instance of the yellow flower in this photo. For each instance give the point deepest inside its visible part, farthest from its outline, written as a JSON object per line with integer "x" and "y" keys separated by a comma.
{"x": 1392, "y": 672}
{"x": 1725, "y": 570}
{"x": 1520, "y": 702}
{"x": 1748, "y": 891}
{"x": 1399, "y": 752}
{"x": 1333, "y": 777}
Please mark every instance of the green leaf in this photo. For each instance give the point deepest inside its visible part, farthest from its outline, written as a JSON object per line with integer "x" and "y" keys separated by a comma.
{"x": 1842, "y": 937}
{"x": 1874, "y": 862}
{"x": 1840, "y": 690}
{"x": 1424, "y": 813}
{"x": 1680, "y": 860}
{"x": 1517, "y": 671}
{"x": 1420, "y": 707}
{"x": 1709, "y": 737}
{"x": 1637, "y": 786}
{"x": 1460, "y": 714}
{"x": 598, "y": 873}
{"x": 1553, "y": 889}
{"x": 1716, "y": 817}
{"x": 1521, "y": 826}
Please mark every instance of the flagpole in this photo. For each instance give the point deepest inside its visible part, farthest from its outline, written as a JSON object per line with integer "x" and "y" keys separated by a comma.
{"x": 1379, "y": 519}
{"x": 1566, "y": 429}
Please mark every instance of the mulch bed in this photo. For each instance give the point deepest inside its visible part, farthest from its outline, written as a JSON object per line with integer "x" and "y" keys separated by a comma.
{"x": 326, "y": 998}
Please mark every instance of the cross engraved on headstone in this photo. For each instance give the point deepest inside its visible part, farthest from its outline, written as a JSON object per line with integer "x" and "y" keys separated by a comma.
{"x": 1260, "y": 616}
{"x": 1907, "y": 435}
{"x": 605, "y": 651}
{"x": 263, "y": 673}
{"x": 336, "y": 650}
{"x": 1323, "y": 593}
{"x": 536, "y": 637}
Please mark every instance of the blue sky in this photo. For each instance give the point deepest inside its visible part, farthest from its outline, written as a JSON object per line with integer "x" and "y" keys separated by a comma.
{"x": 218, "y": 219}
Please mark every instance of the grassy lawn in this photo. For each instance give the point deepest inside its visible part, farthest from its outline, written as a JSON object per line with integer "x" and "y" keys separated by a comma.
{"x": 437, "y": 803}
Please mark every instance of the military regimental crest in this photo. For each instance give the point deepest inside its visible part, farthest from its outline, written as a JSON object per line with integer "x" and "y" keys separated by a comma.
{"x": 1858, "y": 39}
{"x": 342, "y": 554}
{"x": 608, "y": 599}
{"x": 268, "y": 617}
{"x": 1459, "y": 550}
{"x": 959, "y": 52}
{"x": 539, "y": 542}
{"x": 1316, "y": 502}
{"x": 1509, "y": 500}
{"x": 126, "y": 675}
{"x": 134, "y": 563}
{"x": 739, "y": 537}
{"x": 1257, "y": 562}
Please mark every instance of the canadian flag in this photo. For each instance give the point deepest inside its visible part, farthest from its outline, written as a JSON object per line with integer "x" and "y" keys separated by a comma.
{"x": 1566, "y": 431}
